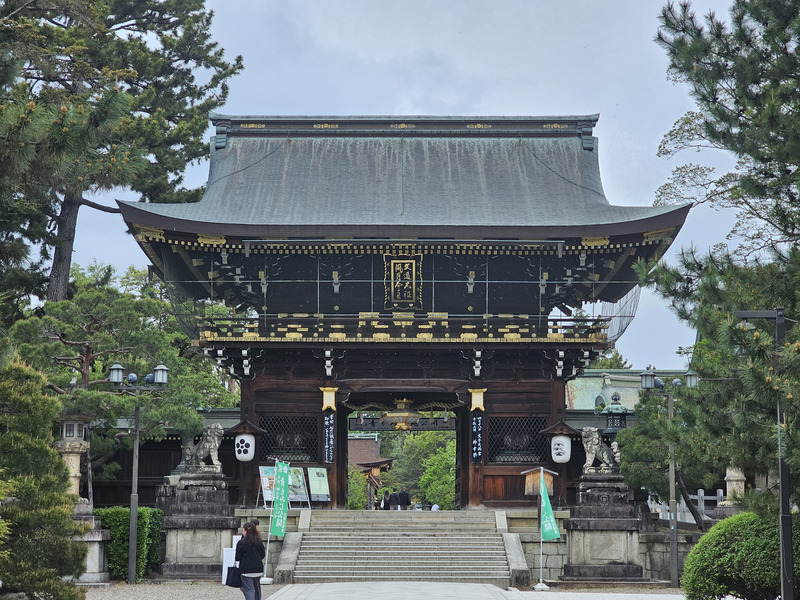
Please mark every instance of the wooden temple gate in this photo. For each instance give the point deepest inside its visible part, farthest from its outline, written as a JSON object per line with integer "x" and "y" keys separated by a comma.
{"x": 397, "y": 266}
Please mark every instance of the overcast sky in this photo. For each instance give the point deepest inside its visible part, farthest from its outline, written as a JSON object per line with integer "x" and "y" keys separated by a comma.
{"x": 472, "y": 57}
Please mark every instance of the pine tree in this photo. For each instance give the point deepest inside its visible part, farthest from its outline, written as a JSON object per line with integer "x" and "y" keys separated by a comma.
{"x": 159, "y": 54}
{"x": 744, "y": 77}
{"x": 74, "y": 342}
{"x": 37, "y": 508}
{"x": 730, "y": 419}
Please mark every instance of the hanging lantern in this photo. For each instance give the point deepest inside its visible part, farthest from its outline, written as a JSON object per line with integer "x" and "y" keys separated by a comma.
{"x": 245, "y": 447}
{"x": 561, "y": 448}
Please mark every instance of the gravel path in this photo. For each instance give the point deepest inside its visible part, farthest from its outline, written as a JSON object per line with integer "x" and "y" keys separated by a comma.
{"x": 198, "y": 590}
{"x": 204, "y": 590}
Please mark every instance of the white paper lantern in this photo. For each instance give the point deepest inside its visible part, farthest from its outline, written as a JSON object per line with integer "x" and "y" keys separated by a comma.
{"x": 561, "y": 448}
{"x": 245, "y": 447}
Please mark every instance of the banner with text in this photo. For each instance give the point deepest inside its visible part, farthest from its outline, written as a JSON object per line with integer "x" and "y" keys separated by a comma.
{"x": 280, "y": 499}
{"x": 549, "y": 525}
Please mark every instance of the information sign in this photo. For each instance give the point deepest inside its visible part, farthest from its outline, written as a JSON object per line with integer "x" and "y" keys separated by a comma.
{"x": 297, "y": 485}
{"x": 318, "y": 484}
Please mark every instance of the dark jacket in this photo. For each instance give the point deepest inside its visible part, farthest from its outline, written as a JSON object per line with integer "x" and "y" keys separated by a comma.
{"x": 394, "y": 499}
{"x": 250, "y": 556}
{"x": 405, "y": 499}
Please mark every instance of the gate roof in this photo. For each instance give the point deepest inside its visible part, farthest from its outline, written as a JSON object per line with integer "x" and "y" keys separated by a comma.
{"x": 404, "y": 177}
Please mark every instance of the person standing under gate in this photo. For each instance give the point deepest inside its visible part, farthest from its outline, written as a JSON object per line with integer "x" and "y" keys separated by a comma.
{"x": 405, "y": 499}
{"x": 250, "y": 555}
{"x": 394, "y": 500}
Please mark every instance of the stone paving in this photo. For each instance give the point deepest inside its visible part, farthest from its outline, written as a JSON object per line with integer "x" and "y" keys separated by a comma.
{"x": 372, "y": 590}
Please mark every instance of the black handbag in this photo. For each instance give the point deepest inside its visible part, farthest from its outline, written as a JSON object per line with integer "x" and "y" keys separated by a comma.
{"x": 234, "y": 577}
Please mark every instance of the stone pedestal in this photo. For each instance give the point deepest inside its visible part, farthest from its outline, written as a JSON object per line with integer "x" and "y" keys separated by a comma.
{"x": 603, "y": 531}
{"x": 198, "y": 522}
{"x": 97, "y": 555}
{"x": 735, "y": 484}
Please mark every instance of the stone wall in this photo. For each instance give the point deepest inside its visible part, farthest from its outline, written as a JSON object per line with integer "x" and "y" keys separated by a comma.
{"x": 553, "y": 554}
{"x": 654, "y": 553}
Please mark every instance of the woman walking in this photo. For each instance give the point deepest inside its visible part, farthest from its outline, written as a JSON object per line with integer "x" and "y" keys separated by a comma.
{"x": 250, "y": 555}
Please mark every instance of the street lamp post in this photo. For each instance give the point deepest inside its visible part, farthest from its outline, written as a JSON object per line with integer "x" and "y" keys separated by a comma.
{"x": 650, "y": 382}
{"x": 152, "y": 382}
{"x": 785, "y": 519}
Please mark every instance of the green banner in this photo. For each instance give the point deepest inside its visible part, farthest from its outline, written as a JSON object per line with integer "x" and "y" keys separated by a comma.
{"x": 549, "y": 525}
{"x": 280, "y": 499}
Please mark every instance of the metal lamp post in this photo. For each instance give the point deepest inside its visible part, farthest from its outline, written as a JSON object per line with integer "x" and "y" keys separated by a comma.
{"x": 153, "y": 381}
{"x": 650, "y": 382}
{"x": 785, "y": 519}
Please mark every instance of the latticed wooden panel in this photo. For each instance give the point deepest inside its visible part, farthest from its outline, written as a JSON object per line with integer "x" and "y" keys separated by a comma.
{"x": 289, "y": 438}
{"x": 516, "y": 440}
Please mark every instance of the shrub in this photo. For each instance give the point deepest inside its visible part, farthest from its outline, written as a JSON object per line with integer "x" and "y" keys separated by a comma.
{"x": 148, "y": 539}
{"x": 356, "y": 489}
{"x": 739, "y": 556}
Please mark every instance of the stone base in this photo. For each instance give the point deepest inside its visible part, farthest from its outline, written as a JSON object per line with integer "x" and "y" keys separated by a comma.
{"x": 603, "y": 531}
{"x": 723, "y": 511}
{"x": 191, "y": 571}
{"x": 97, "y": 553}
{"x": 199, "y": 523}
{"x": 612, "y": 572}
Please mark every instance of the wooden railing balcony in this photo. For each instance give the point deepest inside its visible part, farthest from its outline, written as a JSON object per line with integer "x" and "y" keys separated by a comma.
{"x": 405, "y": 328}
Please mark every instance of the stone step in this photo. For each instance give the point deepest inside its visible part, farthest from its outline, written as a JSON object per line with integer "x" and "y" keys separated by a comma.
{"x": 380, "y": 571}
{"x": 375, "y": 548}
{"x": 386, "y": 563}
{"x": 448, "y": 546}
{"x": 501, "y": 582}
{"x": 433, "y": 549}
{"x": 321, "y": 537}
{"x": 405, "y": 515}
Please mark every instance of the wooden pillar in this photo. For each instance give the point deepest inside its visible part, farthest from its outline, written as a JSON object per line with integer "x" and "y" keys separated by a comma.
{"x": 559, "y": 411}
{"x": 248, "y": 480}
{"x": 473, "y": 471}
{"x": 339, "y": 494}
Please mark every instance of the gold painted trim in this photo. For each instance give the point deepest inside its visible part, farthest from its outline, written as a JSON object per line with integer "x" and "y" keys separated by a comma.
{"x": 594, "y": 241}
{"x": 659, "y": 234}
{"x": 143, "y": 233}
{"x": 210, "y": 240}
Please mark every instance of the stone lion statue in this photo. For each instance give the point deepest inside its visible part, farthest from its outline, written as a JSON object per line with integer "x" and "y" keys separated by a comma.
{"x": 207, "y": 447}
{"x": 596, "y": 449}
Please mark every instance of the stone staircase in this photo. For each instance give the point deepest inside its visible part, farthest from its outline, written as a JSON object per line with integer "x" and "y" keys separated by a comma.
{"x": 455, "y": 546}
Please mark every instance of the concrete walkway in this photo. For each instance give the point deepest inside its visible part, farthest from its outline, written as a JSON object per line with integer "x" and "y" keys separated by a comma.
{"x": 369, "y": 591}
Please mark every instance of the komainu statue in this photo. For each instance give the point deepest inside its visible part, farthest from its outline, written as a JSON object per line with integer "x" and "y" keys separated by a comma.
{"x": 194, "y": 455}
{"x": 596, "y": 449}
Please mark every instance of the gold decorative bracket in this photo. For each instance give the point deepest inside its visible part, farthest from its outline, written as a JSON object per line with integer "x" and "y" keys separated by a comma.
{"x": 328, "y": 398}
{"x": 476, "y": 399}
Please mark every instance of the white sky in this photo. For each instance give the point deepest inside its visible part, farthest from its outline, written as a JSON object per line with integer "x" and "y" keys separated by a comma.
{"x": 472, "y": 57}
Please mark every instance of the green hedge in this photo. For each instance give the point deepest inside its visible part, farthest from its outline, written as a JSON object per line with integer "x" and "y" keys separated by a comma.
{"x": 148, "y": 539}
{"x": 739, "y": 556}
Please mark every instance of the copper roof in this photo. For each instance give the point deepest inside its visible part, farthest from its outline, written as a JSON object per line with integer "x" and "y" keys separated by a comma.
{"x": 390, "y": 177}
